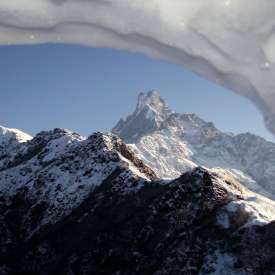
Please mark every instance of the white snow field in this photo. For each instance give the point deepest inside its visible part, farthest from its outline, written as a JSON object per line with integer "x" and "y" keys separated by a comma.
{"x": 231, "y": 42}
{"x": 9, "y": 135}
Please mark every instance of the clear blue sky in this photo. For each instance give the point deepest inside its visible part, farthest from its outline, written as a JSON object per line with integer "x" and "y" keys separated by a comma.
{"x": 87, "y": 89}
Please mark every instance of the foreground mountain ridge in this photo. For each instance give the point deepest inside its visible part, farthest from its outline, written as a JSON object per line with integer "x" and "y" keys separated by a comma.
{"x": 75, "y": 205}
{"x": 173, "y": 143}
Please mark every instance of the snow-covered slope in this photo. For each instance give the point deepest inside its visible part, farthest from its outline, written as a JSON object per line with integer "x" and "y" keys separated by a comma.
{"x": 173, "y": 143}
{"x": 58, "y": 169}
{"x": 75, "y": 205}
{"x": 11, "y": 140}
{"x": 12, "y": 135}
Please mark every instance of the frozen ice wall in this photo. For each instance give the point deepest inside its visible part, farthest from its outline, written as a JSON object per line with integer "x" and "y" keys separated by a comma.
{"x": 231, "y": 42}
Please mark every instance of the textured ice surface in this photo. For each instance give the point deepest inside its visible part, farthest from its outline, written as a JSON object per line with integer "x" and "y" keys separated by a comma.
{"x": 230, "y": 42}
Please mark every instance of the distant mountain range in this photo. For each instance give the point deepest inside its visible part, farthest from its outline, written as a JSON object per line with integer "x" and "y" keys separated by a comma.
{"x": 173, "y": 143}
{"x": 76, "y": 205}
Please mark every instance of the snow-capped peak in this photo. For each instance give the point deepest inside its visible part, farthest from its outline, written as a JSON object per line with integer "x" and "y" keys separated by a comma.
{"x": 172, "y": 143}
{"x": 11, "y": 142}
{"x": 7, "y": 135}
{"x": 152, "y": 114}
{"x": 151, "y": 111}
{"x": 153, "y": 102}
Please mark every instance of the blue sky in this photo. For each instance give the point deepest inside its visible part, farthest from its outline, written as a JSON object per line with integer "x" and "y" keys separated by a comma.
{"x": 87, "y": 89}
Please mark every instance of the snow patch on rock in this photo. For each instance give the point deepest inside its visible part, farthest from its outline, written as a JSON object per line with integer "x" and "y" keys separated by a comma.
{"x": 7, "y": 135}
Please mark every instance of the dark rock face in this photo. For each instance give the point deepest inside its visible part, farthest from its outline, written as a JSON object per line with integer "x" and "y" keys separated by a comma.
{"x": 71, "y": 205}
{"x": 162, "y": 229}
{"x": 255, "y": 248}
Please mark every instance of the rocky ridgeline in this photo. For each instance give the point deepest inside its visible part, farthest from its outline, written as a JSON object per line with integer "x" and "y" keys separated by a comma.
{"x": 74, "y": 205}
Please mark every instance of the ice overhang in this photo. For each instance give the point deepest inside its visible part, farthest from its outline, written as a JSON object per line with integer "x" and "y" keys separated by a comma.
{"x": 230, "y": 42}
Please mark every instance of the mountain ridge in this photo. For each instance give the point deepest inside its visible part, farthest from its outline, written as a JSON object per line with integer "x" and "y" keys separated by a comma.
{"x": 95, "y": 205}
{"x": 74, "y": 205}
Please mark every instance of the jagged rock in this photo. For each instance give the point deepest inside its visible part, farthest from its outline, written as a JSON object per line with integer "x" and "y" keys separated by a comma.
{"x": 150, "y": 109}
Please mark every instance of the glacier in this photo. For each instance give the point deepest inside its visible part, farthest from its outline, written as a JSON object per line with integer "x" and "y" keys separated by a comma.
{"x": 229, "y": 42}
